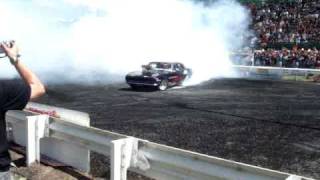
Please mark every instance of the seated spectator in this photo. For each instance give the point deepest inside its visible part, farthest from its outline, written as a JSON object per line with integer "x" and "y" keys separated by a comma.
{"x": 295, "y": 21}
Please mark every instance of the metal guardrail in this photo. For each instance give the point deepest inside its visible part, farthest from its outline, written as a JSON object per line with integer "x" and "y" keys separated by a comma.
{"x": 141, "y": 156}
{"x": 278, "y": 68}
{"x": 73, "y": 155}
{"x": 172, "y": 163}
{"x": 92, "y": 138}
{"x": 297, "y": 74}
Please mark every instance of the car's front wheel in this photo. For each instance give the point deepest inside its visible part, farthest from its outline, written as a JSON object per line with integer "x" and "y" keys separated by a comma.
{"x": 163, "y": 85}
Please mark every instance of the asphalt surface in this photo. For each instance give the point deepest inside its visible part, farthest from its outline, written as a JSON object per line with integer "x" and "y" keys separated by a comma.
{"x": 272, "y": 124}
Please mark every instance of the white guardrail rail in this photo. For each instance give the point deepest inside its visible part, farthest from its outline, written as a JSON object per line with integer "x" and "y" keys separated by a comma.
{"x": 126, "y": 153}
{"x": 280, "y": 71}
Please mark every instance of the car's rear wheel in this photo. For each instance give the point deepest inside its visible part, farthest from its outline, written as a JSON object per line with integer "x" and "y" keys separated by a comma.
{"x": 163, "y": 85}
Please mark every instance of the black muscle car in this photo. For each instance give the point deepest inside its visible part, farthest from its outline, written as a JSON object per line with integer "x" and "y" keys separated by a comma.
{"x": 159, "y": 74}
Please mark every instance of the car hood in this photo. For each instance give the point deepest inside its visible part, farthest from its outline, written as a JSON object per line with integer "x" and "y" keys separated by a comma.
{"x": 135, "y": 73}
{"x": 151, "y": 73}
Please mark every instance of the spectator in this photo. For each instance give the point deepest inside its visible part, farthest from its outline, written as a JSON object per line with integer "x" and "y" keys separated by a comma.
{"x": 14, "y": 95}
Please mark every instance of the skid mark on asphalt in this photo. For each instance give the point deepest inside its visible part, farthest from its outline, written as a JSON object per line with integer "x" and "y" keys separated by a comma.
{"x": 125, "y": 104}
{"x": 310, "y": 146}
{"x": 186, "y": 106}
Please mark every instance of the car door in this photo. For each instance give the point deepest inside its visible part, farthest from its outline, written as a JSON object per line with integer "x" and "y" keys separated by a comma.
{"x": 177, "y": 74}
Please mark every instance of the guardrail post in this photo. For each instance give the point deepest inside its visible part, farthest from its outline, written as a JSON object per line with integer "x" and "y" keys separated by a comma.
{"x": 37, "y": 128}
{"x": 122, "y": 151}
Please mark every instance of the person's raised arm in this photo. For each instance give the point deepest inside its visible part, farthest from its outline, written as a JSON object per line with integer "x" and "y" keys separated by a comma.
{"x": 12, "y": 51}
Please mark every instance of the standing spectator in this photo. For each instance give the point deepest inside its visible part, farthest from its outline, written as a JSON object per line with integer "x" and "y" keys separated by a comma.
{"x": 14, "y": 95}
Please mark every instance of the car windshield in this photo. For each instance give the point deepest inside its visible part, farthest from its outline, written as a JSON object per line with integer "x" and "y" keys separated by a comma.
{"x": 159, "y": 66}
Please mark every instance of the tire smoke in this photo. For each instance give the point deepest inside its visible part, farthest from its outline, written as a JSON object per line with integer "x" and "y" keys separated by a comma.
{"x": 99, "y": 41}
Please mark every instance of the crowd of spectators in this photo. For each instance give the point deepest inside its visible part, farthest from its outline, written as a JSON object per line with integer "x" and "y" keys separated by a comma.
{"x": 296, "y": 58}
{"x": 292, "y": 21}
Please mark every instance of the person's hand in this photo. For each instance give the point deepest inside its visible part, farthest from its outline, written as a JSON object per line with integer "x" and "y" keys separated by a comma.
{"x": 11, "y": 50}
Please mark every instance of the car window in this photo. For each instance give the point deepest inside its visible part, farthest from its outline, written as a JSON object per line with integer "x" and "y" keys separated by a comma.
{"x": 160, "y": 66}
{"x": 181, "y": 65}
{"x": 177, "y": 67}
{"x": 166, "y": 66}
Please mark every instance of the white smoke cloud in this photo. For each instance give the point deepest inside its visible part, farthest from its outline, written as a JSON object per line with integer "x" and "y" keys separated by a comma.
{"x": 102, "y": 40}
